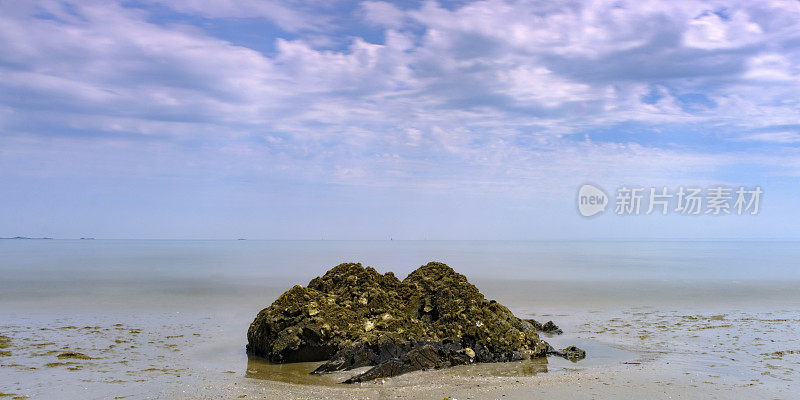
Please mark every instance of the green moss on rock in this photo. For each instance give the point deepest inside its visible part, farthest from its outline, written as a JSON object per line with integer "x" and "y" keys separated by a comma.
{"x": 352, "y": 305}
{"x": 354, "y": 316}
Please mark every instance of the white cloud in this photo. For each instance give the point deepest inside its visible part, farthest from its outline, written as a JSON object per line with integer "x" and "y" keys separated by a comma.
{"x": 711, "y": 31}
{"x": 540, "y": 85}
{"x": 287, "y": 14}
{"x": 491, "y": 90}
{"x": 382, "y": 13}
{"x": 772, "y": 68}
{"x": 774, "y": 137}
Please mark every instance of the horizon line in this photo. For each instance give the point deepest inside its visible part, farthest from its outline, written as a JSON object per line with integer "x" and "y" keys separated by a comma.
{"x": 620, "y": 239}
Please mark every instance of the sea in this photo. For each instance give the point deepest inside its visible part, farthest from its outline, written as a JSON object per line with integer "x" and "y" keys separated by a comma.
{"x": 174, "y": 308}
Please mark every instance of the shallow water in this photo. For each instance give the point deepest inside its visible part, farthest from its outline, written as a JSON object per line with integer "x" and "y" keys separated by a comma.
{"x": 288, "y": 261}
{"x": 192, "y": 301}
{"x": 69, "y": 275}
{"x": 299, "y": 373}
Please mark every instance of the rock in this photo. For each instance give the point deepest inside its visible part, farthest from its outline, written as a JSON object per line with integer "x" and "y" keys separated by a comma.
{"x": 548, "y": 327}
{"x": 536, "y": 324}
{"x": 469, "y": 352}
{"x": 571, "y": 353}
{"x": 355, "y": 317}
{"x": 286, "y": 332}
{"x": 421, "y": 357}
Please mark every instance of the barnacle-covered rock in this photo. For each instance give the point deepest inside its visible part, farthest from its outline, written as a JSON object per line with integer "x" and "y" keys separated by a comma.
{"x": 354, "y": 317}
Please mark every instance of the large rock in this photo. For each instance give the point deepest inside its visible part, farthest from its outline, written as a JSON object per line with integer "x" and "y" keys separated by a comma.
{"x": 547, "y": 327}
{"x": 354, "y": 317}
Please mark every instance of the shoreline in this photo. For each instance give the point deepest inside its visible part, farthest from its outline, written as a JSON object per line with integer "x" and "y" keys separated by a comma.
{"x": 187, "y": 355}
{"x": 694, "y": 337}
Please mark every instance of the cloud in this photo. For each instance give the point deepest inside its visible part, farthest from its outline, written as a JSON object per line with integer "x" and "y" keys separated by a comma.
{"x": 774, "y": 137}
{"x": 292, "y": 16}
{"x": 383, "y": 14}
{"x": 496, "y": 92}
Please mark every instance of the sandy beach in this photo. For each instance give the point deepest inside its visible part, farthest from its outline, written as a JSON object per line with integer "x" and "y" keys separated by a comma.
{"x": 138, "y": 335}
{"x": 644, "y": 352}
{"x": 637, "y": 358}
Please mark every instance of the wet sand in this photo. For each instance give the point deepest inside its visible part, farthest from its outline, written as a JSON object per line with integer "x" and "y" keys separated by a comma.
{"x": 638, "y": 352}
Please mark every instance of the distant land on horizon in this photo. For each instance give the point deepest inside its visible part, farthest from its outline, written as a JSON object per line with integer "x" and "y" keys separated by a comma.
{"x": 26, "y": 238}
{"x": 577, "y": 239}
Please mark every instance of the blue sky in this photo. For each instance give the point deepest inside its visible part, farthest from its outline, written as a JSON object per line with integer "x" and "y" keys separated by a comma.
{"x": 411, "y": 120}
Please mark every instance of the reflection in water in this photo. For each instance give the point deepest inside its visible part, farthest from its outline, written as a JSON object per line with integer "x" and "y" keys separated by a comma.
{"x": 300, "y": 373}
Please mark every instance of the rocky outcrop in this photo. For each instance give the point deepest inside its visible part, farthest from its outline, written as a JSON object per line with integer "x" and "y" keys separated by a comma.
{"x": 547, "y": 327}
{"x": 571, "y": 353}
{"x": 355, "y": 317}
{"x": 420, "y": 357}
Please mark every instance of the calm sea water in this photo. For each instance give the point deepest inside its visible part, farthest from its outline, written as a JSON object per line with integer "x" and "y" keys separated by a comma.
{"x": 59, "y": 274}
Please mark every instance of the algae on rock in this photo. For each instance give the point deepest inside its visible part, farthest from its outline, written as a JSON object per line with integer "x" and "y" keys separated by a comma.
{"x": 353, "y": 317}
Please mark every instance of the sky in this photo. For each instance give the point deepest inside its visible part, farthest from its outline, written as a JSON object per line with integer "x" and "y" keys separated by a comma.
{"x": 209, "y": 119}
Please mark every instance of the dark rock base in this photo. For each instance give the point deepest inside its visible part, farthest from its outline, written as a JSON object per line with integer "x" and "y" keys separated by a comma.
{"x": 354, "y": 317}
